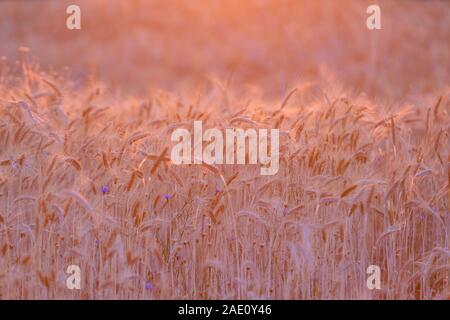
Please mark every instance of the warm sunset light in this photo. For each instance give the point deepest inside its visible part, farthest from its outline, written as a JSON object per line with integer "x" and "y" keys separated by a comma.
{"x": 224, "y": 149}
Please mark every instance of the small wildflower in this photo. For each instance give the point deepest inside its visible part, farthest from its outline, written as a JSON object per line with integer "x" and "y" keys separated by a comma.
{"x": 143, "y": 104}
{"x": 167, "y": 196}
{"x": 97, "y": 242}
{"x": 105, "y": 189}
{"x": 218, "y": 190}
{"x": 149, "y": 286}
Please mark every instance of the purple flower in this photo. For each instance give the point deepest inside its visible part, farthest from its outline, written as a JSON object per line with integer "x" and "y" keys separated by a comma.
{"x": 167, "y": 196}
{"x": 149, "y": 286}
{"x": 97, "y": 242}
{"x": 105, "y": 189}
{"x": 218, "y": 190}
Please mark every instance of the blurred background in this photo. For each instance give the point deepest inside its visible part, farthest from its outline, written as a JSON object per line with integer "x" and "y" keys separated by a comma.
{"x": 264, "y": 45}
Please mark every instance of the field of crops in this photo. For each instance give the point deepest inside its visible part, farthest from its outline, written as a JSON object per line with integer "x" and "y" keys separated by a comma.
{"x": 86, "y": 176}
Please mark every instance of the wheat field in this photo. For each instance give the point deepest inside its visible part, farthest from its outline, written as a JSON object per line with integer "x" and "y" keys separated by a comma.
{"x": 85, "y": 171}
